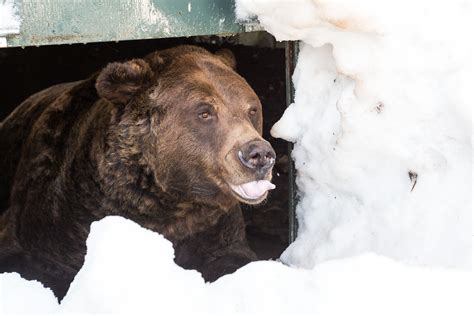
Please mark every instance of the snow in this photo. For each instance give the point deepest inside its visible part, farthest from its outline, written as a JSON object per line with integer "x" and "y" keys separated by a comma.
{"x": 9, "y": 21}
{"x": 20, "y": 296}
{"x": 134, "y": 273}
{"x": 382, "y": 126}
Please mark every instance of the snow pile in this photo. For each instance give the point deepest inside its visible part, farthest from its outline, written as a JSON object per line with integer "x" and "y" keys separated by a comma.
{"x": 9, "y": 21}
{"x": 20, "y": 296}
{"x": 130, "y": 270}
{"x": 382, "y": 127}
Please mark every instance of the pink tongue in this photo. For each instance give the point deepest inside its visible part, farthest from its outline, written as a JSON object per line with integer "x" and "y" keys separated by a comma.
{"x": 256, "y": 189}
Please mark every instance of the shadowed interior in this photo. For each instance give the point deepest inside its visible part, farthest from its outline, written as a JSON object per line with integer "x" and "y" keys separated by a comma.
{"x": 26, "y": 71}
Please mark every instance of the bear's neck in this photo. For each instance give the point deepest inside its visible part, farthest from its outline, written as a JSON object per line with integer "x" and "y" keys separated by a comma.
{"x": 132, "y": 191}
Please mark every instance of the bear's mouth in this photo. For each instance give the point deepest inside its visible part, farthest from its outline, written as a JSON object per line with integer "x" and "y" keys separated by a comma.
{"x": 252, "y": 192}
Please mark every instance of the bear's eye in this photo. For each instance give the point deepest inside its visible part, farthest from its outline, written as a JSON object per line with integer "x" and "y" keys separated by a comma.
{"x": 253, "y": 112}
{"x": 204, "y": 115}
{"x": 206, "y": 112}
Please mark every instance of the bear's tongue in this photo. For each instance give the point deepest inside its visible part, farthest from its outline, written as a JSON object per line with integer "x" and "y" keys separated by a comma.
{"x": 254, "y": 189}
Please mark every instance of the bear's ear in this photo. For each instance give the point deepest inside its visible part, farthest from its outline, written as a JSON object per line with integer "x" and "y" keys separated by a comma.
{"x": 227, "y": 57}
{"x": 119, "y": 82}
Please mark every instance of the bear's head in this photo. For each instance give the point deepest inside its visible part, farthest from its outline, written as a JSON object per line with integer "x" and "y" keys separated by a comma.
{"x": 185, "y": 118}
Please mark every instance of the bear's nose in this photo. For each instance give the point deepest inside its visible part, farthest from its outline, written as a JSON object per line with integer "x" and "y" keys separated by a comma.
{"x": 257, "y": 155}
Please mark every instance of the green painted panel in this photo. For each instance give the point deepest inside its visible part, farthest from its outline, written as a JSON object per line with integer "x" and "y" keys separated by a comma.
{"x": 47, "y": 22}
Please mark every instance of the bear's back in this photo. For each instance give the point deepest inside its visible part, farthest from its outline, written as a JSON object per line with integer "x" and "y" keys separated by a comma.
{"x": 21, "y": 129}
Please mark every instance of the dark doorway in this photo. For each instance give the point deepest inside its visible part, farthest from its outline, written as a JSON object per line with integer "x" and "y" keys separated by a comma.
{"x": 25, "y": 71}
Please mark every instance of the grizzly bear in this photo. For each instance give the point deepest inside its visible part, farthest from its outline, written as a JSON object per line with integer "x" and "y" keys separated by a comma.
{"x": 171, "y": 141}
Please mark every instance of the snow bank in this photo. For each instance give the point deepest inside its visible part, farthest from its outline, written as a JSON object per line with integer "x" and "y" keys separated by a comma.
{"x": 130, "y": 270}
{"x": 19, "y": 296}
{"x": 382, "y": 126}
{"x": 9, "y": 21}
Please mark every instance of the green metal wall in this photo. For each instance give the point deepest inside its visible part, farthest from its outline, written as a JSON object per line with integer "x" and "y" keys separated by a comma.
{"x": 45, "y": 22}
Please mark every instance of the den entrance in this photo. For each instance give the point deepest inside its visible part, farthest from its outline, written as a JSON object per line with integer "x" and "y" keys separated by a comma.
{"x": 260, "y": 60}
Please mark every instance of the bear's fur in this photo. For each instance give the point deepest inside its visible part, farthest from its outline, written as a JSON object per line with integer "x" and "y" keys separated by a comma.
{"x": 153, "y": 140}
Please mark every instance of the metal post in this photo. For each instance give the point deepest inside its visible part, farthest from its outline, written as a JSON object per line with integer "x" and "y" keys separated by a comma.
{"x": 291, "y": 53}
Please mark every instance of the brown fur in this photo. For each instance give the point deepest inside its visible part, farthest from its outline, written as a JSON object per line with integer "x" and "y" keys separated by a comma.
{"x": 133, "y": 141}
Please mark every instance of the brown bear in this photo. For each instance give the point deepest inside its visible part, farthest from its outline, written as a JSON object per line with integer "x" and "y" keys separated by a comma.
{"x": 171, "y": 141}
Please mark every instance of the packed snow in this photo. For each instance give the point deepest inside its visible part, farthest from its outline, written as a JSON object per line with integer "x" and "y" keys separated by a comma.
{"x": 19, "y": 296}
{"x": 9, "y": 20}
{"x": 134, "y": 273}
{"x": 382, "y": 126}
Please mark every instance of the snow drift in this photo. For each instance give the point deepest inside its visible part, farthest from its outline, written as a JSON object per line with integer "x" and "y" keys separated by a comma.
{"x": 382, "y": 127}
{"x": 130, "y": 270}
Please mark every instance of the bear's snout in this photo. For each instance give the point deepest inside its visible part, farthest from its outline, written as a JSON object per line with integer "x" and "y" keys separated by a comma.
{"x": 257, "y": 155}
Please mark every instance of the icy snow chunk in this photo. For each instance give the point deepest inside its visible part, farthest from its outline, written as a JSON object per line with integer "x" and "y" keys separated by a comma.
{"x": 9, "y": 20}
{"x": 382, "y": 126}
{"x": 19, "y": 296}
{"x": 129, "y": 269}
